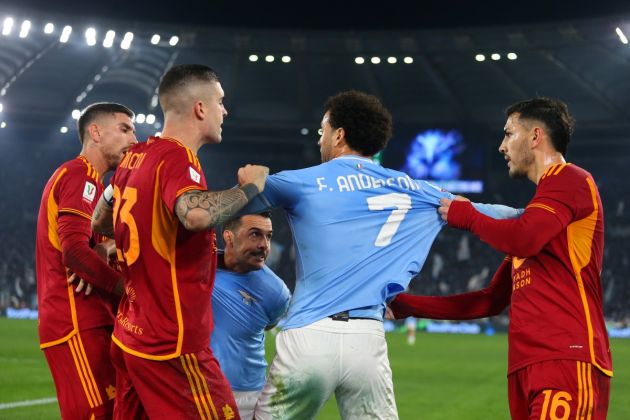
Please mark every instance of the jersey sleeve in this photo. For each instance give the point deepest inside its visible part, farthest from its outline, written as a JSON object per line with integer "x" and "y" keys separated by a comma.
{"x": 282, "y": 190}
{"x": 498, "y": 211}
{"x": 432, "y": 193}
{"x": 560, "y": 195}
{"x": 179, "y": 174}
{"x": 489, "y": 301}
{"x": 77, "y": 192}
{"x": 281, "y": 303}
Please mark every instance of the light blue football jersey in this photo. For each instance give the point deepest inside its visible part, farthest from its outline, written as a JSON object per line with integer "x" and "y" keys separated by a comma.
{"x": 243, "y": 306}
{"x": 361, "y": 232}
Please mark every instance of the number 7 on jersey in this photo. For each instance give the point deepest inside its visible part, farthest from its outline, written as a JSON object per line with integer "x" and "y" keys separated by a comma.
{"x": 400, "y": 205}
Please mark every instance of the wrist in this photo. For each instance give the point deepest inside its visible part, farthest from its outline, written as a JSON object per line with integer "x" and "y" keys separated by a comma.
{"x": 250, "y": 190}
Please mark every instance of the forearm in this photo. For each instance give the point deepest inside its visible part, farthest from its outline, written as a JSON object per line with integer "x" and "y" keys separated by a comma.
{"x": 483, "y": 303}
{"x": 199, "y": 210}
{"x": 102, "y": 218}
{"x": 522, "y": 237}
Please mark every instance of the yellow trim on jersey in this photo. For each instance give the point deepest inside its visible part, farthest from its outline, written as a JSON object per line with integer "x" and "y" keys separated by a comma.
{"x": 52, "y": 213}
{"x": 188, "y": 188}
{"x": 89, "y": 376}
{"x": 580, "y": 256}
{"x": 77, "y": 212}
{"x": 560, "y": 168}
{"x": 75, "y": 323}
{"x": 542, "y": 206}
{"x": 77, "y": 365}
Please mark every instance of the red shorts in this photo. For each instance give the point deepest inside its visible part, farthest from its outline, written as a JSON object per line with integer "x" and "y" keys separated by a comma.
{"x": 191, "y": 386}
{"x": 84, "y": 376}
{"x": 558, "y": 389}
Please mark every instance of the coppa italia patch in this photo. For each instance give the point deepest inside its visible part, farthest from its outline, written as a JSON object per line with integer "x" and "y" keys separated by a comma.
{"x": 194, "y": 175}
{"x": 89, "y": 191}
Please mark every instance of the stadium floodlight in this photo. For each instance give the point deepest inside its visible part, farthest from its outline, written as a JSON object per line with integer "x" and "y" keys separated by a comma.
{"x": 63, "y": 130}
{"x": 90, "y": 36}
{"x": 76, "y": 114}
{"x": 49, "y": 28}
{"x": 359, "y": 60}
{"x": 253, "y": 58}
{"x": 89, "y": 87}
{"x": 375, "y": 60}
{"x": 1, "y": 107}
{"x": 3, "y": 124}
{"x": 391, "y": 60}
{"x": 158, "y": 133}
{"x": 173, "y": 41}
{"x": 150, "y": 119}
{"x": 140, "y": 118}
{"x": 512, "y": 56}
{"x": 109, "y": 39}
{"x": 126, "y": 41}
{"x": 269, "y": 58}
{"x": 154, "y": 101}
{"x": 304, "y": 131}
{"x": 26, "y": 26}
{"x": 286, "y": 59}
{"x": 97, "y": 77}
{"x": 495, "y": 56}
{"x": 7, "y": 26}
{"x": 65, "y": 34}
{"x": 622, "y": 36}
{"x": 155, "y": 39}
{"x": 408, "y": 60}
{"x": 480, "y": 57}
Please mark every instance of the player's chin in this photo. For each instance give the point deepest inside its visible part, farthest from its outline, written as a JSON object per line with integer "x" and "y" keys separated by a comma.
{"x": 257, "y": 261}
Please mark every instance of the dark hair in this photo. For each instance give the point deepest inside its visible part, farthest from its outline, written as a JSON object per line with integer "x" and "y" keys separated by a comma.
{"x": 95, "y": 110}
{"x": 366, "y": 122}
{"x": 179, "y": 76}
{"x": 235, "y": 223}
{"x": 551, "y": 112}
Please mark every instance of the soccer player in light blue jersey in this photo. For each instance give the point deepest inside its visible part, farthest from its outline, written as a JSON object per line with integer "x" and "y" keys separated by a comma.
{"x": 248, "y": 298}
{"x": 361, "y": 232}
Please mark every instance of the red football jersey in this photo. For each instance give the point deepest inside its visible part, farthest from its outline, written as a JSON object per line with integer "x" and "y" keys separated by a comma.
{"x": 556, "y": 310}
{"x": 169, "y": 271}
{"x": 73, "y": 189}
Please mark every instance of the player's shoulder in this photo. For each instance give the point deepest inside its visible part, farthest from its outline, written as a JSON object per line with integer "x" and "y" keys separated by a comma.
{"x": 564, "y": 174}
{"x": 80, "y": 167}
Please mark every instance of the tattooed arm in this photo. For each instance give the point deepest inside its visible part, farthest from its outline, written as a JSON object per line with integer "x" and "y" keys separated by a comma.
{"x": 199, "y": 210}
{"x": 102, "y": 218}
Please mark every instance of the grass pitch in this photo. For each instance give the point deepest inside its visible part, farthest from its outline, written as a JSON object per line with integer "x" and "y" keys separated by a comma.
{"x": 441, "y": 377}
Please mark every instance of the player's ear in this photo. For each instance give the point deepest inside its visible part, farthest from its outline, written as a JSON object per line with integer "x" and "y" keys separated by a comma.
{"x": 198, "y": 110}
{"x": 93, "y": 132}
{"x": 228, "y": 237}
{"x": 339, "y": 136}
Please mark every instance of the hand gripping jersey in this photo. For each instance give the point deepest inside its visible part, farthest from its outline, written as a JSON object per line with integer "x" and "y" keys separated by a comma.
{"x": 73, "y": 189}
{"x": 361, "y": 233}
{"x": 169, "y": 271}
{"x": 243, "y": 306}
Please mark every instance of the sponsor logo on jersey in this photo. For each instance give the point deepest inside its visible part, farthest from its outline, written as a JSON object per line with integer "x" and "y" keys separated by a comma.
{"x": 194, "y": 175}
{"x": 89, "y": 191}
{"x": 247, "y": 298}
{"x": 517, "y": 262}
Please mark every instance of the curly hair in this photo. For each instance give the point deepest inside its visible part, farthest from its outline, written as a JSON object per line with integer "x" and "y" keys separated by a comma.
{"x": 553, "y": 113}
{"x": 366, "y": 122}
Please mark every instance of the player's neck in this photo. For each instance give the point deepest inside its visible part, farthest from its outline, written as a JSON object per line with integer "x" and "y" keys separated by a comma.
{"x": 96, "y": 159}
{"x": 543, "y": 161}
{"x": 183, "y": 133}
{"x": 231, "y": 264}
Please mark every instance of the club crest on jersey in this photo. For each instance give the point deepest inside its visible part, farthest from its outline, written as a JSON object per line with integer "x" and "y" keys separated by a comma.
{"x": 89, "y": 191}
{"x": 247, "y": 298}
{"x": 194, "y": 175}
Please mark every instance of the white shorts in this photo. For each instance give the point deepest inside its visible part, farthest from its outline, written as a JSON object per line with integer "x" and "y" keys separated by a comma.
{"x": 348, "y": 359}
{"x": 246, "y": 402}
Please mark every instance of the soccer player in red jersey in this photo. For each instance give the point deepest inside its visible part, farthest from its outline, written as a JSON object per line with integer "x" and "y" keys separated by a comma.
{"x": 75, "y": 329}
{"x": 559, "y": 361}
{"x": 163, "y": 219}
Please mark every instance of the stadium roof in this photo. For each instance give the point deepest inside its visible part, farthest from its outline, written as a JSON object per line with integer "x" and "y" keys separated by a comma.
{"x": 571, "y": 52}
